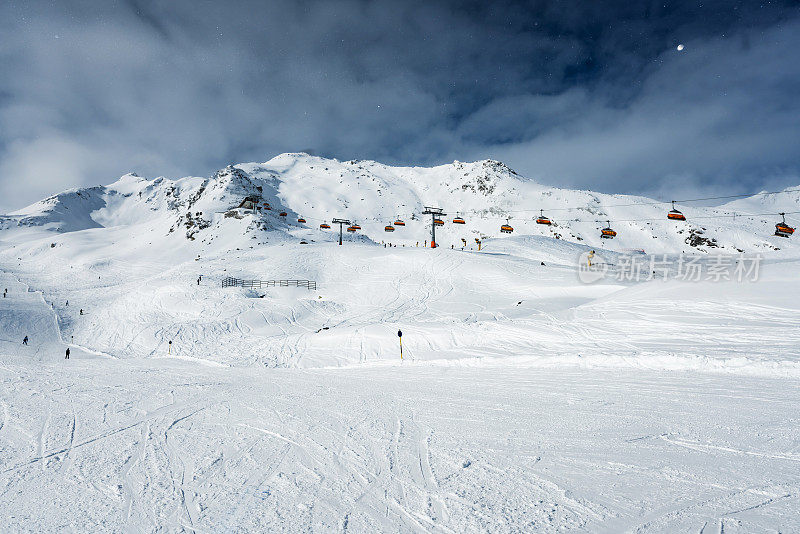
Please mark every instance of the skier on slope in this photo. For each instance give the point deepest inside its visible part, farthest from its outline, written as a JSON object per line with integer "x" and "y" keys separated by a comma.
{"x": 67, "y": 354}
{"x": 25, "y": 341}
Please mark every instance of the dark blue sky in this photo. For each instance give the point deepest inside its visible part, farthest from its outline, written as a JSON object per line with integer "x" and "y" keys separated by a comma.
{"x": 573, "y": 93}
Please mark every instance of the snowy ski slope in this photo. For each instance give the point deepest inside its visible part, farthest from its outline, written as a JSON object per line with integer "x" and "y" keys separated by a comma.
{"x": 527, "y": 400}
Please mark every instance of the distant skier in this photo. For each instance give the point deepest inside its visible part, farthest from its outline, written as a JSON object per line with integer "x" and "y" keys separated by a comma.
{"x": 81, "y": 311}
{"x": 66, "y": 357}
{"x": 25, "y": 341}
{"x": 67, "y": 303}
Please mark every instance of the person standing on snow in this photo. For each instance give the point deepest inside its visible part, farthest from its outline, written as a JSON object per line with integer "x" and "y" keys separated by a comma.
{"x": 25, "y": 341}
{"x": 67, "y": 355}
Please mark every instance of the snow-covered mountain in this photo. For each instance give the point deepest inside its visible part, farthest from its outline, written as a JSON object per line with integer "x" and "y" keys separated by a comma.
{"x": 485, "y": 194}
{"x": 190, "y": 404}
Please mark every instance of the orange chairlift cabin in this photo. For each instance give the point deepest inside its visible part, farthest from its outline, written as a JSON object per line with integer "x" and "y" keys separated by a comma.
{"x": 506, "y": 228}
{"x": 351, "y": 229}
{"x": 459, "y": 219}
{"x": 542, "y": 219}
{"x": 301, "y": 220}
{"x": 438, "y": 222}
{"x": 267, "y": 206}
{"x": 608, "y": 232}
{"x": 355, "y": 226}
{"x": 325, "y": 226}
{"x": 399, "y": 222}
{"x": 388, "y": 228}
{"x": 782, "y": 229}
{"x": 282, "y": 214}
{"x": 674, "y": 214}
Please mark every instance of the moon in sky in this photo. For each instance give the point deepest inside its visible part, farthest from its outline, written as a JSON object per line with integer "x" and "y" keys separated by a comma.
{"x": 680, "y": 47}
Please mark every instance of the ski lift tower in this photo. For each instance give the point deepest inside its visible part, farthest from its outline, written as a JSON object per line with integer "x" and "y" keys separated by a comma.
{"x": 433, "y": 212}
{"x": 340, "y": 222}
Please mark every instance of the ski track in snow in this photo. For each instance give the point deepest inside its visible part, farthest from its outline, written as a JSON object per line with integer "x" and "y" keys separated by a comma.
{"x": 354, "y": 450}
{"x": 416, "y": 448}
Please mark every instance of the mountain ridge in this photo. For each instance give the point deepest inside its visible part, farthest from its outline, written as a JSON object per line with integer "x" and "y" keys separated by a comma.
{"x": 486, "y": 193}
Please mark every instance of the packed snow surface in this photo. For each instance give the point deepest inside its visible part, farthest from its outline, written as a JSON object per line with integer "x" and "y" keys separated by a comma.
{"x": 526, "y": 400}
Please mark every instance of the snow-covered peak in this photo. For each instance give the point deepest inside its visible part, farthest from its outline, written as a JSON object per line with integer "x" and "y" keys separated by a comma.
{"x": 787, "y": 200}
{"x": 67, "y": 211}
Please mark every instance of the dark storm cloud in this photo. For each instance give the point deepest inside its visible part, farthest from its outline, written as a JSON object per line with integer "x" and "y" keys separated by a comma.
{"x": 718, "y": 116}
{"x": 583, "y": 94}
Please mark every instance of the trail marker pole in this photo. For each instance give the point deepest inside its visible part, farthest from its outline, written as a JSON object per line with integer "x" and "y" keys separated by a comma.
{"x": 170, "y": 348}
{"x": 340, "y": 222}
{"x": 400, "y": 337}
{"x": 433, "y": 212}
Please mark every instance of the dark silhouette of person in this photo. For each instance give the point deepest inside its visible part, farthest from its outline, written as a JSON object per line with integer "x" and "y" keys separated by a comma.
{"x": 25, "y": 341}
{"x": 67, "y": 354}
